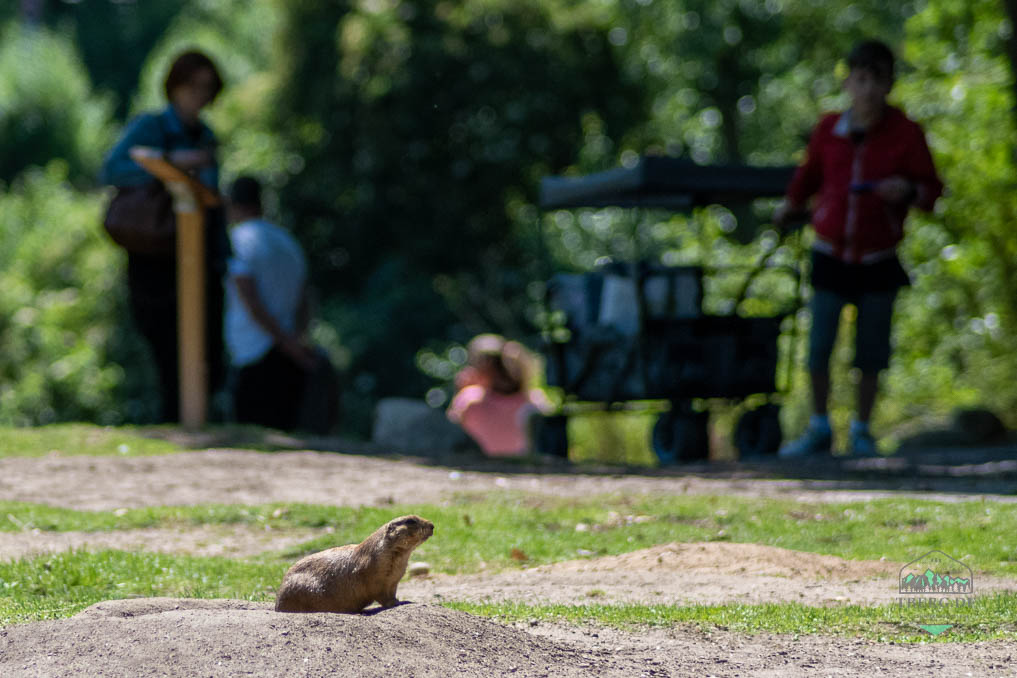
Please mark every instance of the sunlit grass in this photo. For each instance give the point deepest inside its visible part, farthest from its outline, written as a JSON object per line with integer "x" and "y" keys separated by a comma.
{"x": 79, "y": 439}
{"x": 62, "y": 584}
{"x": 987, "y": 618}
{"x": 497, "y": 530}
{"x": 138, "y": 441}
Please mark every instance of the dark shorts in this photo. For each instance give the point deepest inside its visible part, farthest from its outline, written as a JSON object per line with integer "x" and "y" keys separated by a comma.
{"x": 872, "y": 328}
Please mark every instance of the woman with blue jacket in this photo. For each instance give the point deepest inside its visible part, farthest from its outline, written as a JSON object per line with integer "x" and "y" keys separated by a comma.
{"x": 192, "y": 83}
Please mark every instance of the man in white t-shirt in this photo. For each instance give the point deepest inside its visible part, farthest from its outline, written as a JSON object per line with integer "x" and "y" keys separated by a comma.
{"x": 266, "y": 314}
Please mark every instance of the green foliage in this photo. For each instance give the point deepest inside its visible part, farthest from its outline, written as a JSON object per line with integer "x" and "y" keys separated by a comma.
{"x": 403, "y": 142}
{"x": 114, "y": 38}
{"x": 49, "y": 110}
{"x": 426, "y": 121}
{"x": 621, "y": 438}
{"x": 954, "y": 333}
{"x": 62, "y": 313}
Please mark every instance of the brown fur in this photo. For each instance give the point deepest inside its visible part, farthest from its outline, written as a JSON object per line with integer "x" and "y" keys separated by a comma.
{"x": 349, "y": 578}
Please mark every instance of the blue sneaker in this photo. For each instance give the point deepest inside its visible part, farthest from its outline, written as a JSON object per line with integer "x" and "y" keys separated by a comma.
{"x": 815, "y": 440}
{"x": 862, "y": 442}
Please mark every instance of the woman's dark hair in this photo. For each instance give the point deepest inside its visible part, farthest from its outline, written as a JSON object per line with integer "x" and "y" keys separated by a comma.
{"x": 874, "y": 56}
{"x": 185, "y": 66}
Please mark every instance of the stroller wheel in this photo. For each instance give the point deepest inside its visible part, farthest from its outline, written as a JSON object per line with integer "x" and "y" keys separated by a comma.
{"x": 757, "y": 433}
{"x": 681, "y": 435}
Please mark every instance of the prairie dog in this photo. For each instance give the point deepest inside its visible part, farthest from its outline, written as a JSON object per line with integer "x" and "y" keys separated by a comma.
{"x": 349, "y": 578}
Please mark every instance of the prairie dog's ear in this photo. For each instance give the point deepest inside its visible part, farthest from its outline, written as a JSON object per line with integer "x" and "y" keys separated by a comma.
{"x": 397, "y": 524}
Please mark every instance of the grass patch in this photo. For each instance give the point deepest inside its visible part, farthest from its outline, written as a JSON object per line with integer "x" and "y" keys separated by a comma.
{"x": 504, "y": 530}
{"x": 60, "y": 585}
{"x": 987, "y": 618}
{"x": 135, "y": 441}
{"x": 80, "y": 439}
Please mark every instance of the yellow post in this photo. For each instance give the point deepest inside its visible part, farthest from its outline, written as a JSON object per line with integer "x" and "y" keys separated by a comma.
{"x": 189, "y": 201}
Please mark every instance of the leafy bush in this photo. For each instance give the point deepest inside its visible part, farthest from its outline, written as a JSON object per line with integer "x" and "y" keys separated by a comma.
{"x": 63, "y": 321}
{"x": 48, "y": 109}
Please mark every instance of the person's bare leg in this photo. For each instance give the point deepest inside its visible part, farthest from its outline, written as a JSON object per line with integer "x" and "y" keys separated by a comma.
{"x": 820, "y": 391}
{"x": 868, "y": 388}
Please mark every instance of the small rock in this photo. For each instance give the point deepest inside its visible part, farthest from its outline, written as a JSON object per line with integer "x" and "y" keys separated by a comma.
{"x": 418, "y": 569}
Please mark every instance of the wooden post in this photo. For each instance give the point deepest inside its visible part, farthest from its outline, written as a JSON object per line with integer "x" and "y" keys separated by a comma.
{"x": 190, "y": 198}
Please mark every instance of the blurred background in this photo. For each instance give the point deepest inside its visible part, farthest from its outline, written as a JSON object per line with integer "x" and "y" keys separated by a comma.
{"x": 403, "y": 142}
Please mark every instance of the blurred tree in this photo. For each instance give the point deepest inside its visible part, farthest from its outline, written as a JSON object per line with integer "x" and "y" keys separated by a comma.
{"x": 62, "y": 310}
{"x": 113, "y": 36}
{"x": 1010, "y": 7}
{"x": 404, "y": 142}
{"x": 743, "y": 80}
{"x": 49, "y": 109}
{"x": 958, "y": 320}
{"x": 416, "y": 125}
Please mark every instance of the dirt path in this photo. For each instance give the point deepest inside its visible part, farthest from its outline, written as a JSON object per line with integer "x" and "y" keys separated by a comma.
{"x": 242, "y": 477}
{"x": 151, "y": 637}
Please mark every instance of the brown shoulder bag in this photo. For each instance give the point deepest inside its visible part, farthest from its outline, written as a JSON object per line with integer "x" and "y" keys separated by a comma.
{"x": 141, "y": 220}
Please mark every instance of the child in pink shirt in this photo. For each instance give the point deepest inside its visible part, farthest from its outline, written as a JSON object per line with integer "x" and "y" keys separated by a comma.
{"x": 494, "y": 403}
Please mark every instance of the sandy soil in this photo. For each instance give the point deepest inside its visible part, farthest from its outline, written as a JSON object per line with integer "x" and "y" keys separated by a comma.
{"x": 155, "y": 637}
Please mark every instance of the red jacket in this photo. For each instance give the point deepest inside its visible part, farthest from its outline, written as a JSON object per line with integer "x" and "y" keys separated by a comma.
{"x": 858, "y": 226}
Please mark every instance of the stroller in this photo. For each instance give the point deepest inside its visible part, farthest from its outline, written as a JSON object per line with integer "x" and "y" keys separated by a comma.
{"x": 637, "y": 331}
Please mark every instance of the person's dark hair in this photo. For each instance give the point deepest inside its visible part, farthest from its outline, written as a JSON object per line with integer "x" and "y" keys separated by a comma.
{"x": 185, "y": 66}
{"x": 246, "y": 192}
{"x": 874, "y": 56}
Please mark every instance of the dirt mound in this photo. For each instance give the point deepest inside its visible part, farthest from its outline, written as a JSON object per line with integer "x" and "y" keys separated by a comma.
{"x": 162, "y": 636}
{"x": 709, "y": 573}
{"x": 703, "y": 573}
{"x": 728, "y": 558}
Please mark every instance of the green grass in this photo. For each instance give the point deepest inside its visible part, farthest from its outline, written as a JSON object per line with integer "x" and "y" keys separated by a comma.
{"x": 80, "y": 439}
{"x": 596, "y": 437}
{"x": 987, "y": 618}
{"x": 477, "y": 532}
{"x": 133, "y": 441}
{"x": 62, "y": 584}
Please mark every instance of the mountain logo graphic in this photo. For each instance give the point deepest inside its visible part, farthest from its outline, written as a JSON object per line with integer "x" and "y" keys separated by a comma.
{"x": 936, "y": 573}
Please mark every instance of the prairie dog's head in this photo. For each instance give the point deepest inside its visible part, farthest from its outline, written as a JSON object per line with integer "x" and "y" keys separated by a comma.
{"x": 411, "y": 530}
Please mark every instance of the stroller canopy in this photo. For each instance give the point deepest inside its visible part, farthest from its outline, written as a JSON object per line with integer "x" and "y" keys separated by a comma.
{"x": 670, "y": 183}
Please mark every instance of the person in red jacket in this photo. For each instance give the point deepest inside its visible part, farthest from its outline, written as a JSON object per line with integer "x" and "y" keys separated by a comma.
{"x": 864, "y": 169}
